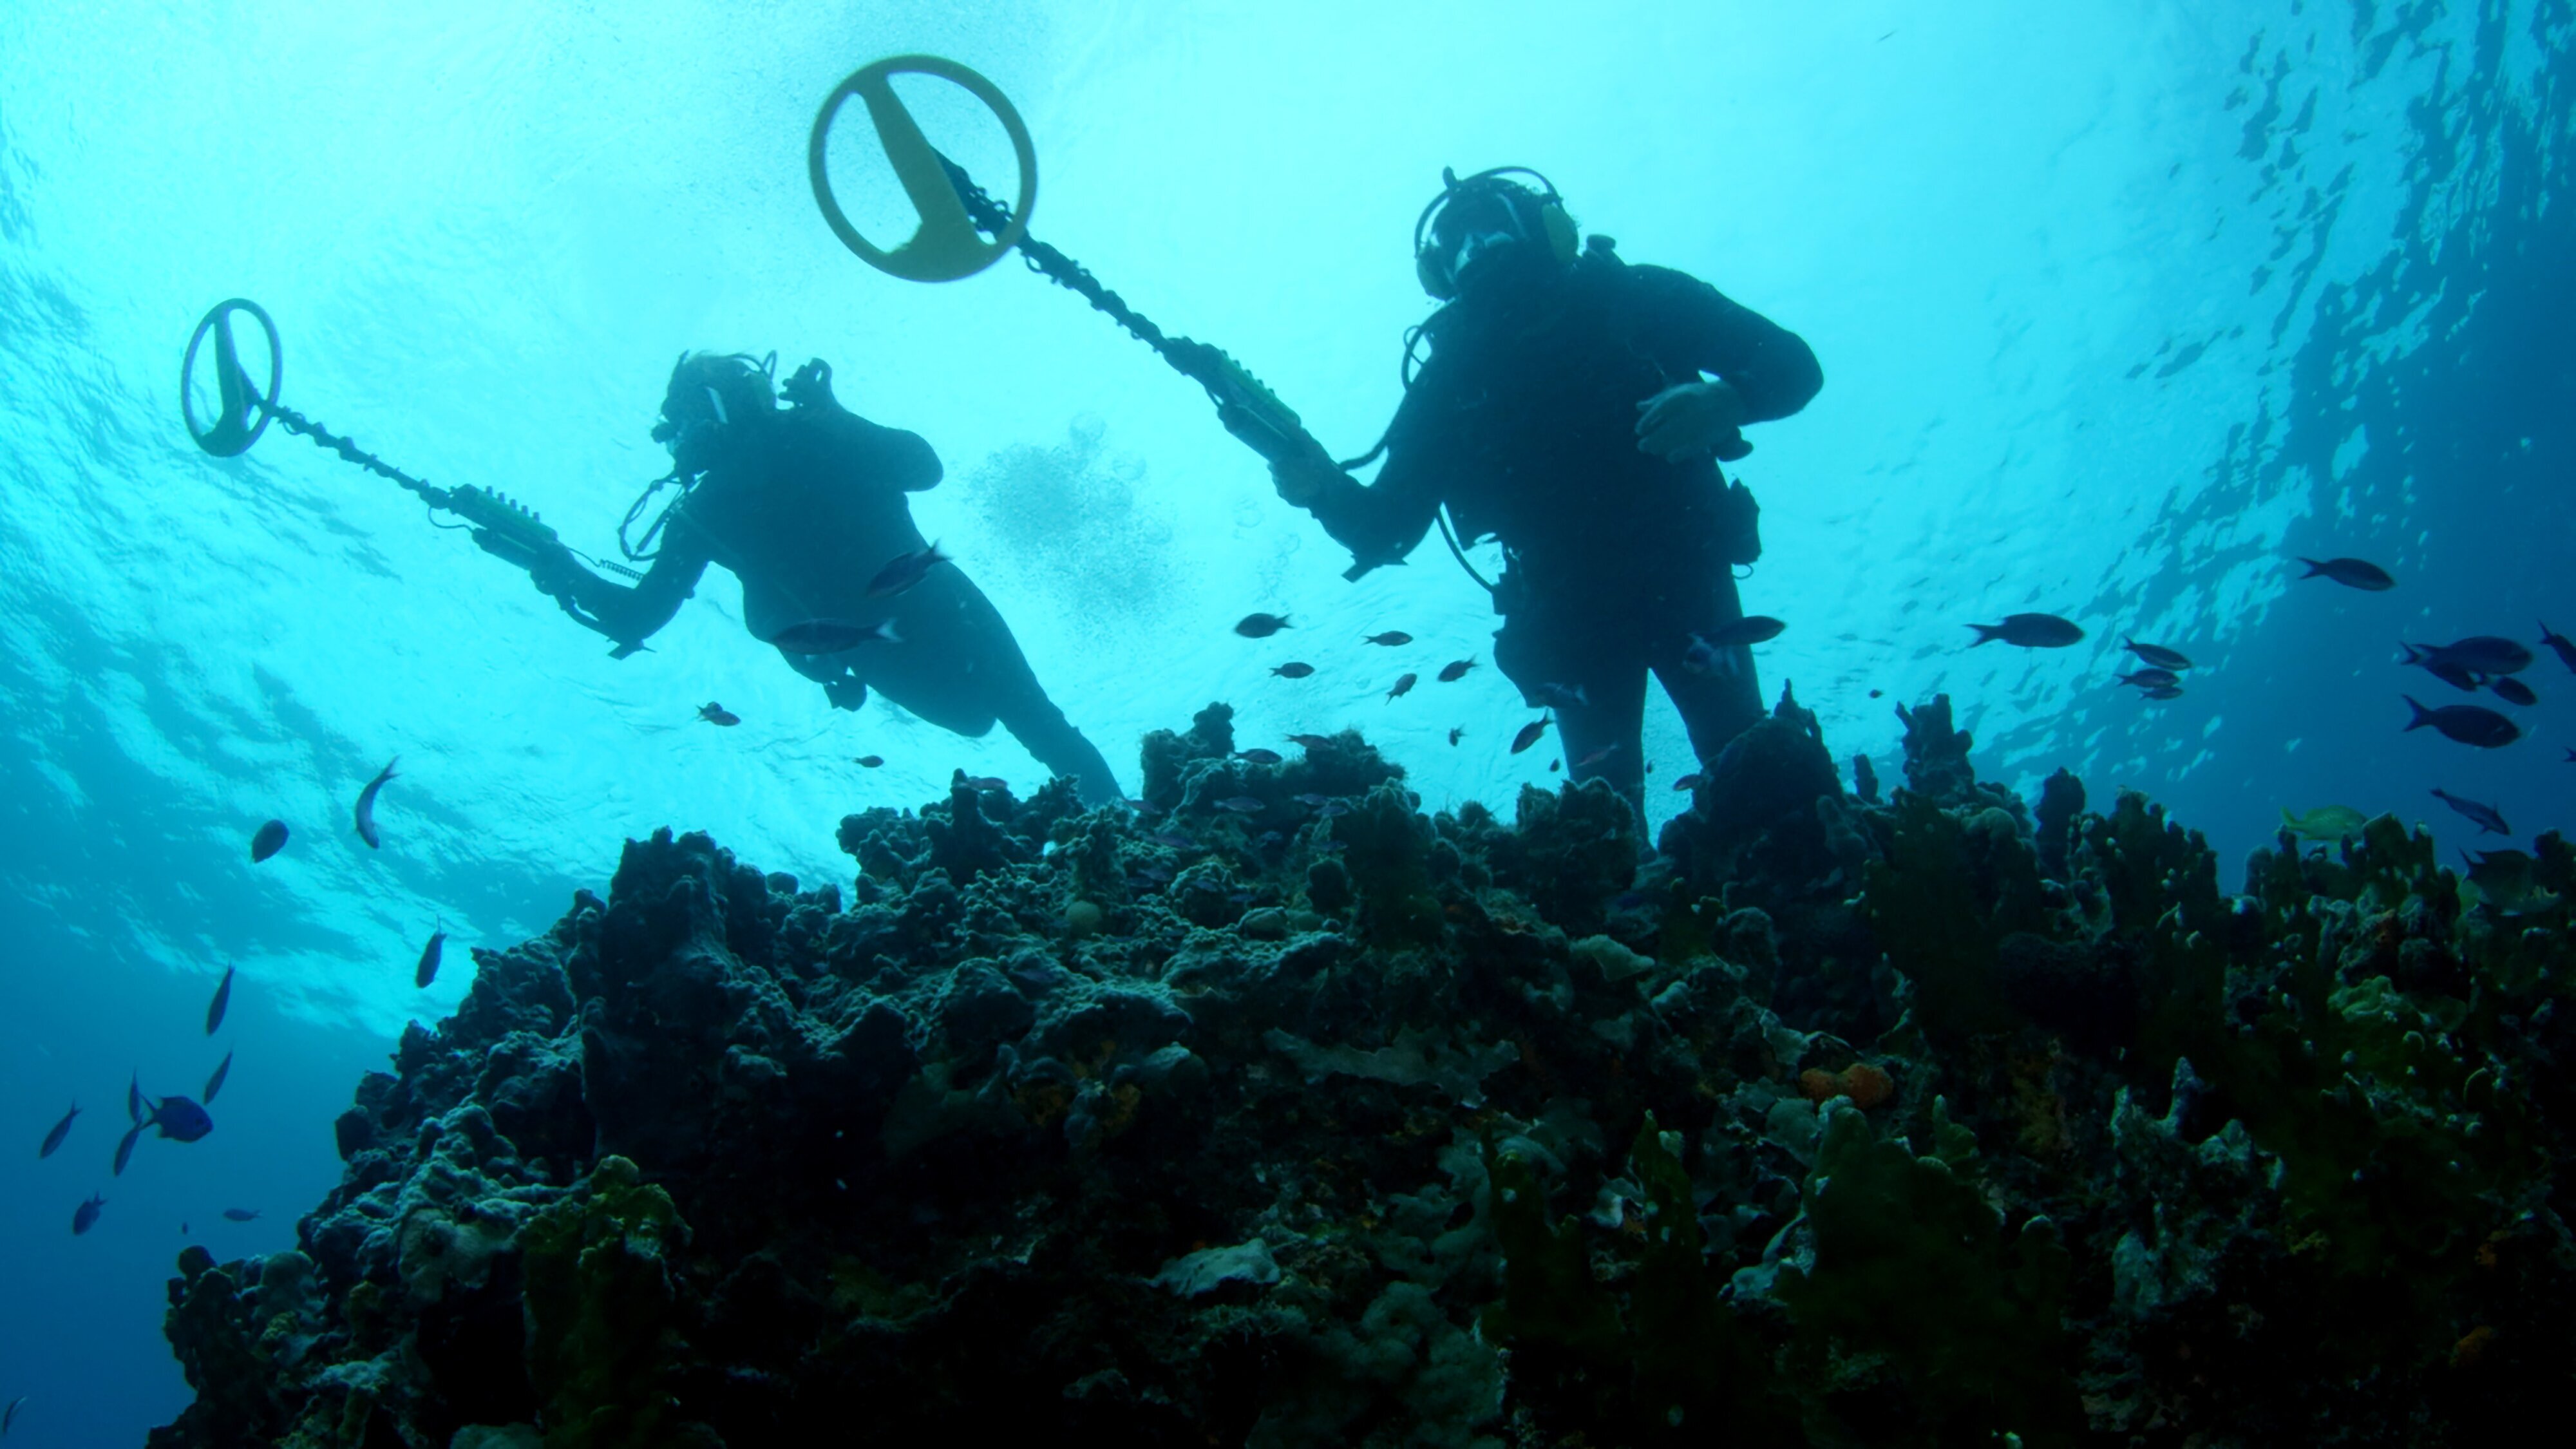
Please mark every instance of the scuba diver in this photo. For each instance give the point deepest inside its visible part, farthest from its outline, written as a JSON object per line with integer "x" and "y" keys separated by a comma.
{"x": 1567, "y": 410}
{"x": 805, "y": 505}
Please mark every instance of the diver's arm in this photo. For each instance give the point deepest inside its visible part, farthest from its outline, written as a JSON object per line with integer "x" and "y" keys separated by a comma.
{"x": 629, "y": 614}
{"x": 903, "y": 459}
{"x": 1378, "y": 522}
{"x": 1770, "y": 368}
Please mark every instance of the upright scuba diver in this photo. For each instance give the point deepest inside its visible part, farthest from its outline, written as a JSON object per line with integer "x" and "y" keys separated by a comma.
{"x": 805, "y": 505}
{"x": 1564, "y": 411}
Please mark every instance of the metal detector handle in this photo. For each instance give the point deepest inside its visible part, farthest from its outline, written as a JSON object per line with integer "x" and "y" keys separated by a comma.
{"x": 233, "y": 430}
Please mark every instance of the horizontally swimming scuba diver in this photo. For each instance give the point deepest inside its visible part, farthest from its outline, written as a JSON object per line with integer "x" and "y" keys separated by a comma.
{"x": 805, "y": 505}
{"x": 1572, "y": 407}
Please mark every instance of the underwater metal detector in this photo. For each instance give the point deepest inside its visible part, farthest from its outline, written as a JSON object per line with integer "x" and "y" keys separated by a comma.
{"x": 957, "y": 218}
{"x": 502, "y": 526}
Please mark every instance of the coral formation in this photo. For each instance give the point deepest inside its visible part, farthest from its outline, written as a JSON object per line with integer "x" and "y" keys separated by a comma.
{"x": 1283, "y": 1114}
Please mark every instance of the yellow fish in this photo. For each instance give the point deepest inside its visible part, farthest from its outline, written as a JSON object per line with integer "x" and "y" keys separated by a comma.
{"x": 2326, "y": 822}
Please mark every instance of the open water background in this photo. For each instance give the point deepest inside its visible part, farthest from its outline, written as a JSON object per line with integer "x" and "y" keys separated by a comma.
{"x": 2120, "y": 306}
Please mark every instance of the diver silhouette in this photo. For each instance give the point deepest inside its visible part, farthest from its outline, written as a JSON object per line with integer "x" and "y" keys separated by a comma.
{"x": 1564, "y": 411}
{"x": 805, "y": 505}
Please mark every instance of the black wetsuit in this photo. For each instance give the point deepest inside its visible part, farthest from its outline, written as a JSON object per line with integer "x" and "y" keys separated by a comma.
{"x": 804, "y": 507}
{"x": 1523, "y": 422}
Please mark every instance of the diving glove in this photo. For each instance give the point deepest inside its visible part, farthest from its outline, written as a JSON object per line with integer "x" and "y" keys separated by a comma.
{"x": 811, "y": 387}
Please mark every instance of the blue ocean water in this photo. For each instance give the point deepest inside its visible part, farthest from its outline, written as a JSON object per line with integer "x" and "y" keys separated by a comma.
{"x": 2120, "y": 308}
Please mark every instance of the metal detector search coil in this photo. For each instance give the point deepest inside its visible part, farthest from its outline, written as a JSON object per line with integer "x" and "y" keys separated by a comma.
{"x": 945, "y": 247}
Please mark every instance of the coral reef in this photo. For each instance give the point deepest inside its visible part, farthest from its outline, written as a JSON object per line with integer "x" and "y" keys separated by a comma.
{"x": 1282, "y": 1114}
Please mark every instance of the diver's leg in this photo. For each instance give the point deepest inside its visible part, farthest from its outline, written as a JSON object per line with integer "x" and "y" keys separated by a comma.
{"x": 990, "y": 663}
{"x": 1550, "y": 657}
{"x": 1723, "y": 703}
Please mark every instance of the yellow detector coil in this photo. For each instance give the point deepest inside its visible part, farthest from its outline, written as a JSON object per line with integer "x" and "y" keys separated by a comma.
{"x": 945, "y": 246}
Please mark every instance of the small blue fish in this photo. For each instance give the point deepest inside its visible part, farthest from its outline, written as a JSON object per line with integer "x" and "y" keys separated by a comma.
{"x": 2486, "y": 817}
{"x": 223, "y": 999}
{"x": 240, "y": 1215}
{"x": 2030, "y": 631}
{"x": 215, "y": 1083}
{"x": 267, "y": 841}
{"x": 423, "y": 974}
{"x": 62, "y": 1129}
{"x": 1241, "y": 805}
{"x": 366, "y": 811}
{"x": 2559, "y": 645}
{"x": 907, "y": 570}
{"x": 84, "y": 1218}
{"x": 177, "y": 1119}
{"x": 2156, "y": 655}
{"x": 2467, "y": 723}
{"x": 2513, "y": 691}
{"x": 1259, "y": 756}
{"x": 2352, "y": 573}
{"x": 832, "y": 636}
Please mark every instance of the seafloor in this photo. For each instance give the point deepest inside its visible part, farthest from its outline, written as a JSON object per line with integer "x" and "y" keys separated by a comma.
{"x": 1942, "y": 1121}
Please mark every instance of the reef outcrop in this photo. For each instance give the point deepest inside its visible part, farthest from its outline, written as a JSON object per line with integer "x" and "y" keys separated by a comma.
{"x": 1284, "y": 1114}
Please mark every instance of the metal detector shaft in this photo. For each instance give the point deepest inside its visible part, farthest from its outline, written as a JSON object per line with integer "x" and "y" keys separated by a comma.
{"x": 1246, "y": 408}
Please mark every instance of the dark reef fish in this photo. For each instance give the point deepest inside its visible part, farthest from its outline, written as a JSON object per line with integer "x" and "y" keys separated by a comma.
{"x": 2478, "y": 654}
{"x": 1258, "y": 756}
{"x": 268, "y": 840}
{"x": 1702, "y": 657}
{"x": 85, "y": 1217}
{"x": 1529, "y": 734}
{"x": 907, "y": 570}
{"x": 1455, "y": 670}
{"x": 1751, "y": 629}
{"x": 1261, "y": 626}
{"x": 215, "y": 1083}
{"x": 366, "y": 811}
{"x": 1310, "y": 742}
{"x": 869, "y": 762}
{"x": 2161, "y": 692}
{"x": 1294, "y": 669}
{"x": 1403, "y": 686}
{"x": 2485, "y": 817}
{"x": 1242, "y": 805}
{"x": 2030, "y": 631}
{"x": 241, "y": 1215}
{"x": 831, "y": 636}
{"x": 177, "y": 1118}
{"x": 1390, "y": 638}
{"x": 1559, "y": 695}
{"x": 223, "y": 999}
{"x": 1455, "y": 731}
{"x": 2450, "y": 672}
{"x": 1596, "y": 757}
{"x": 2559, "y": 645}
{"x": 2151, "y": 678}
{"x": 2156, "y": 655}
{"x": 2352, "y": 573}
{"x": 62, "y": 1129}
{"x": 717, "y": 715}
{"x": 2467, "y": 723}
{"x": 2513, "y": 691}
{"x": 427, "y": 971}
